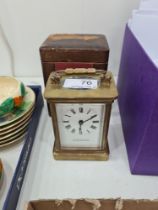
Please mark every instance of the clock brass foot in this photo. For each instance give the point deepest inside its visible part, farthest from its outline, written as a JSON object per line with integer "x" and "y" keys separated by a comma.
{"x": 81, "y": 155}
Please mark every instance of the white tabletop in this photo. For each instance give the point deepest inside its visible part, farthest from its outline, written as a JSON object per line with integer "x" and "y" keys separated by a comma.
{"x": 47, "y": 178}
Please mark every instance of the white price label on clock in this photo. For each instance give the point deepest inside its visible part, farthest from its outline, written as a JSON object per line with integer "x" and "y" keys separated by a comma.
{"x": 81, "y": 83}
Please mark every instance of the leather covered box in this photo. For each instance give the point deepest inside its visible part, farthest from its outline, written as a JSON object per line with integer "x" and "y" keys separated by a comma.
{"x": 61, "y": 51}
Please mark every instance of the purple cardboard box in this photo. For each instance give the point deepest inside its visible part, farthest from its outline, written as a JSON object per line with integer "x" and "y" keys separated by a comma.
{"x": 138, "y": 104}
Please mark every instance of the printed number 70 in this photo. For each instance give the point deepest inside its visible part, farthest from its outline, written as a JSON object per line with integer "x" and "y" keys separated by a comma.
{"x": 87, "y": 82}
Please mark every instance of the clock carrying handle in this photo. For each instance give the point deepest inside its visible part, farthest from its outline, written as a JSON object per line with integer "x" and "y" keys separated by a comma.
{"x": 57, "y": 75}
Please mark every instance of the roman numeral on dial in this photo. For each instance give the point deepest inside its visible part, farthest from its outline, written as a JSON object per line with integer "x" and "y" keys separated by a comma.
{"x": 68, "y": 126}
{"x": 81, "y": 109}
{"x": 88, "y": 111}
{"x": 73, "y": 130}
{"x": 65, "y": 121}
{"x": 96, "y": 121}
{"x": 93, "y": 127}
{"x": 73, "y": 111}
{"x": 67, "y": 115}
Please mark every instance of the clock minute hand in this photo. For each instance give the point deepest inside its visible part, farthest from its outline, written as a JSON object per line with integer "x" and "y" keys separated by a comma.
{"x": 90, "y": 118}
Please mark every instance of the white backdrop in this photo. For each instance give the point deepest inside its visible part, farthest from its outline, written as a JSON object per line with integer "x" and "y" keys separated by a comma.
{"x": 24, "y": 25}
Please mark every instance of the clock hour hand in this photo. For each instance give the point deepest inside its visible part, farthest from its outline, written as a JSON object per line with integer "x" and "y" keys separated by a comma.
{"x": 89, "y": 118}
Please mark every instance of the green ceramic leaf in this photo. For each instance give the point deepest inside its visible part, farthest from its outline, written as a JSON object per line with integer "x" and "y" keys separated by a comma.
{"x": 22, "y": 89}
{"x": 6, "y": 106}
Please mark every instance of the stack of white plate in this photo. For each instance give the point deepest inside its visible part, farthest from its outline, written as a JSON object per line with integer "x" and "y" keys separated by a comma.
{"x": 13, "y": 125}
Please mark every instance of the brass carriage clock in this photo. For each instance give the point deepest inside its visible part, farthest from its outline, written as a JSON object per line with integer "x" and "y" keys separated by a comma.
{"x": 80, "y": 102}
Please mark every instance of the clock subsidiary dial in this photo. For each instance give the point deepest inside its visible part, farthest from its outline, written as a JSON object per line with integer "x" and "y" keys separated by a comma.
{"x": 80, "y": 125}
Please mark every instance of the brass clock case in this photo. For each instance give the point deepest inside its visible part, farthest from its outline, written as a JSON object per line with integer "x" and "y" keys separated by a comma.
{"x": 77, "y": 126}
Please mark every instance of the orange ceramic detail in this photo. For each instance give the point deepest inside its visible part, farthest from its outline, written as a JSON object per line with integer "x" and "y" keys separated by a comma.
{"x": 18, "y": 101}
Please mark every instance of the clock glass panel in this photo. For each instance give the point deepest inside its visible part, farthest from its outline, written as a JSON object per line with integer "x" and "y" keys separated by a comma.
{"x": 80, "y": 125}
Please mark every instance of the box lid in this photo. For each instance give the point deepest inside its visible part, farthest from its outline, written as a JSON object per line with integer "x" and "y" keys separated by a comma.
{"x": 75, "y": 48}
{"x": 104, "y": 92}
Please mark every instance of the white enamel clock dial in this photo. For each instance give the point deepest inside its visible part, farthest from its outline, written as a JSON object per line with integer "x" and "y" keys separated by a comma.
{"x": 80, "y": 125}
